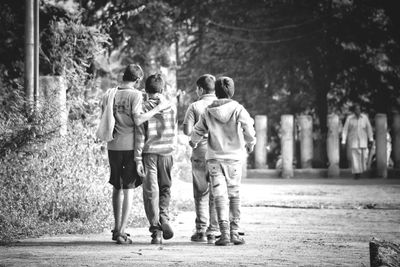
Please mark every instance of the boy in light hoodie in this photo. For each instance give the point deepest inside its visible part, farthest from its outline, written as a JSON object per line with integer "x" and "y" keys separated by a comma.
{"x": 227, "y": 124}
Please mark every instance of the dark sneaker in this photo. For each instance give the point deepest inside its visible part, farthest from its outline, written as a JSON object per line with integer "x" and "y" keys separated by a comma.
{"x": 123, "y": 239}
{"x": 156, "y": 238}
{"x": 224, "y": 240}
{"x": 236, "y": 239}
{"x": 211, "y": 239}
{"x": 198, "y": 237}
{"x": 168, "y": 233}
{"x": 114, "y": 235}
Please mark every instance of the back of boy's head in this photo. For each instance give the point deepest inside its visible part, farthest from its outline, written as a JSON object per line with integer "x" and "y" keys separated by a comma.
{"x": 154, "y": 84}
{"x": 207, "y": 82}
{"x": 132, "y": 73}
{"x": 224, "y": 87}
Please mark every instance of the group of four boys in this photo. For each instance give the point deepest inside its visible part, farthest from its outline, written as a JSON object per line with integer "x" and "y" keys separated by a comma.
{"x": 146, "y": 130}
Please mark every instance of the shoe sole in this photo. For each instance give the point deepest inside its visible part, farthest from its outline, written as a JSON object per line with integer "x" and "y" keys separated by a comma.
{"x": 128, "y": 242}
{"x": 167, "y": 231}
{"x": 198, "y": 241}
{"x": 223, "y": 244}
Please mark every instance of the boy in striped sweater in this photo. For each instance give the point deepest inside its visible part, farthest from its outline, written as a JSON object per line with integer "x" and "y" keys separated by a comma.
{"x": 154, "y": 144}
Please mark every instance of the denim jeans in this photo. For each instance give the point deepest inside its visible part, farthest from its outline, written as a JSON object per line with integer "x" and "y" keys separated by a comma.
{"x": 157, "y": 189}
{"x": 225, "y": 176}
{"x": 203, "y": 199}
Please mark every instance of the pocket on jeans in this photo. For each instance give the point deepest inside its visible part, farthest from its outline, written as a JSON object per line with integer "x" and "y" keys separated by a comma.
{"x": 234, "y": 174}
{"x": 214, "y": 169}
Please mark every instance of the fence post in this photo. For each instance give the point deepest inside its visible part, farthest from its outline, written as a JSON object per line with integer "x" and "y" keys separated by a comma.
{"x": 396, "y": 140}
{"x": 332, "y": 145}
{"x": 287, "y": 145}
{"x": 381, "y": 143}
{"x": 260, "y": 152}
{"x": 306, "y": 141}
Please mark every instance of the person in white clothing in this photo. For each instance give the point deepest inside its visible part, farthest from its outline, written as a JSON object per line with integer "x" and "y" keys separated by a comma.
{"x": 357, "y": 132}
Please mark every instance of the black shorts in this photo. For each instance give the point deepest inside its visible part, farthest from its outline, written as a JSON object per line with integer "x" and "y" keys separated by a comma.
{"x": 123, "y": 170}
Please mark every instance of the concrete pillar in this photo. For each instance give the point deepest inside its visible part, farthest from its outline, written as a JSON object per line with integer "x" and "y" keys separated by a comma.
{"x": 53, "y": 96}
{"x": 396, "y": 140}
{"x": 260, "y": 150}
{"x": 381, "y": 150}
{"x": 306, "y": 141}
{"x": 287, "y": 145}
{"x": 332, "y": 146}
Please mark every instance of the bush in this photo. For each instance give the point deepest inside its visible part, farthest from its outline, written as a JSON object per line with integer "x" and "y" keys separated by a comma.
{"x": 57, "y": 187}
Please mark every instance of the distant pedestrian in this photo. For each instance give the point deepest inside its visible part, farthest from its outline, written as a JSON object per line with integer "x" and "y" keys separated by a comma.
{"x": 206, "y": 216}
{"x": 154, "y": 144}
{"x": 227, "y": 123}
{"x": 357, "y": 132}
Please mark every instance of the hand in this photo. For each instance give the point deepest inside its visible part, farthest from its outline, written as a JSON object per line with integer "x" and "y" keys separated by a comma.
{"x": 193, "y": 145}
{"x": 140, "y": 169}
{"x": 249, "y": 148}
{"x": 164, "y": 103}
{"x": 370, "y": 144}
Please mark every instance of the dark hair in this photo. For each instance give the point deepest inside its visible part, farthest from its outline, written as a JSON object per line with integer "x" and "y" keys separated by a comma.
{"x": 224, "y": 87}
{"x": 207, "y": 82}
{"x": 355, "y": 105}
{"x": 132, "y": 73}
{"x": 154, "y": 84}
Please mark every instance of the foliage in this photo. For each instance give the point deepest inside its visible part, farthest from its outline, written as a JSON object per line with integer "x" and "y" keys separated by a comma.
{"x": 310, "y": 57}
{"x": 142, "y": 31}
{"x": 68, "y": 48}
{"x": 59, "y": 186}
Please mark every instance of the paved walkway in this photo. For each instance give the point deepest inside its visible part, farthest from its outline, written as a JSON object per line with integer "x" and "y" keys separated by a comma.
{"x": 315, "y": 222}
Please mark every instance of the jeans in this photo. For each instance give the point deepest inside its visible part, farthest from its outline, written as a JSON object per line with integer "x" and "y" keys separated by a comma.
{"x": 157, "y": 189}
{"x": 203, "y": 199}
{"x": 225, "y": 176}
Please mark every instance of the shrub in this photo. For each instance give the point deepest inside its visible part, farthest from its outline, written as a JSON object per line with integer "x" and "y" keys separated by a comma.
{"x": 59, "y": 186}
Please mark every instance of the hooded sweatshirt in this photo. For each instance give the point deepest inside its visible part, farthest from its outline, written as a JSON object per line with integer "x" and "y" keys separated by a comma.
{"x": 229, "y": 126}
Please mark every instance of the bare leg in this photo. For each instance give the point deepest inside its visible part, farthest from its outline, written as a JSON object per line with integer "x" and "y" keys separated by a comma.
{"x": 126, "y": 208}
{"x": 116, "y": 202}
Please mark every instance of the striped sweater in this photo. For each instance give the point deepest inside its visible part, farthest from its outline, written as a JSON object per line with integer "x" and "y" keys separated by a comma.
{"x": 158, "y": 134}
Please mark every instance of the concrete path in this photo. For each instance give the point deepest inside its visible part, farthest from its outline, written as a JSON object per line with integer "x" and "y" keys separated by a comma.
{"x": 315, "y": 222}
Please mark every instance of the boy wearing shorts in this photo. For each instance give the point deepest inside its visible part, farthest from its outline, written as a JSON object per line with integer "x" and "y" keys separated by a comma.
{"x": 227, "y": 124}
{"x": 204, "y": 203}
{"x": 154, "y": 145}
{"x": 127, "y": 112}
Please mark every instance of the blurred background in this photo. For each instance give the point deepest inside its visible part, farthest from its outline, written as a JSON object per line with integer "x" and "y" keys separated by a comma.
{"x": 300, "y": 57}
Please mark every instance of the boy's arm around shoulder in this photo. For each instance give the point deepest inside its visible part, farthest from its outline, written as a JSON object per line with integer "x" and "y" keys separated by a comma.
{"x": 247, "y": 124}
{"x": 164, "y": 104}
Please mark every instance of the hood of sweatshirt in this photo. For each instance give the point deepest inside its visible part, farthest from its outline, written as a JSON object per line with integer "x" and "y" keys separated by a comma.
{"x": 222, "y": 109}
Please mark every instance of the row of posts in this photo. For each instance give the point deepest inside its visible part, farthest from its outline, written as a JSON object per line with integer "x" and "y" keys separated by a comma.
{"x": 333, "y": 146}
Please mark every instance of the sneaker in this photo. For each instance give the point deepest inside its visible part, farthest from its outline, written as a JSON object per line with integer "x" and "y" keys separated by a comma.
{"x": 224, "y": 240}
{"x": 114, "y": 235}
{"x": 156, "y": 238}
{"x": 123, "y": 239}
{"x": 168, "y": 233}
{"x": 198, "y": 237}
{"x": 236, "y": 239}
{"x": 211, "y": 239}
